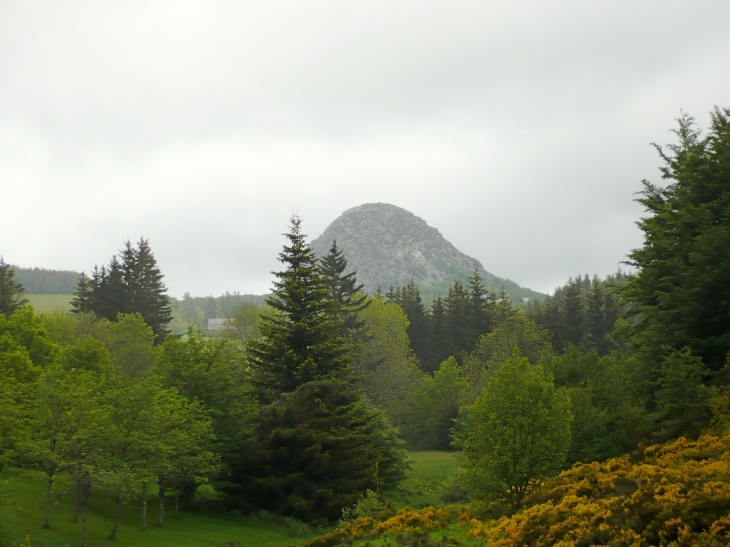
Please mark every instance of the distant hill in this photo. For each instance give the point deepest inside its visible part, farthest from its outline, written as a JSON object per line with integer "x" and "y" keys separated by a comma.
{"x": 388, "y": 245}
{"x": 40, "y": 280}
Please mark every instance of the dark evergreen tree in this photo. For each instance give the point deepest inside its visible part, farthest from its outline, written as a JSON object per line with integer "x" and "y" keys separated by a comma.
{"x": 11, "y": 292}
{"x": 112, "y": 294}
{"x": 481, "y": 305}
{"x": 458, "y": 321}
{"x": 438, "y": 349}
{"x": 347, "y": 296}
{"x": 302, "y": 342}
{"x": 323, "y": 445}
{"x": 133, "y": 285}
{"x": 572, "y": 316}
{"x": 145, "y": 289}
{"x": 83, "y": 299}
{"x": 682, "y": 289}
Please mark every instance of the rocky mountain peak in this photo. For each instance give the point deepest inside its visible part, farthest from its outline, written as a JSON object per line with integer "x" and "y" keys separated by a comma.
{"x": 388, "y": 245}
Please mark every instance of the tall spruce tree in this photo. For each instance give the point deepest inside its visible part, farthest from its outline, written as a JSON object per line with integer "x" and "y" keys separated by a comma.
{"x": 302, "y": 342}
{"x": 11, "y": 292}
{"x": 145, "y": 288}
{"x": 323, "y": 443}
{"x": 348, "y": 298}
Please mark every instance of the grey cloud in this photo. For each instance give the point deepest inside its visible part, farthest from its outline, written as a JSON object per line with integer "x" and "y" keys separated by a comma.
{"x": 518, "y": 129}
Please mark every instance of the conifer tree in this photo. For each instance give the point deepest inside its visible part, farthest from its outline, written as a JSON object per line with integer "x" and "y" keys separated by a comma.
{"x": 682, "y": 289}
{"x": 133, "y": 285}
{"x": 11, "y": 292}
{"x": 458, "y": 323}
{"x": 438, "y": 349}
{"x": 145, "y": 288}
{"x": 572, "y": 316}
{"x": 301, "y": 343}
{"x": 481, "y": 305}
{"x": 347, "y": 296}
{"x": 323, "y": 445}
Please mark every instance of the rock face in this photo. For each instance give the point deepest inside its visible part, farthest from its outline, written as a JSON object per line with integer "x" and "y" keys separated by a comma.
{"x": 388, "y": 245}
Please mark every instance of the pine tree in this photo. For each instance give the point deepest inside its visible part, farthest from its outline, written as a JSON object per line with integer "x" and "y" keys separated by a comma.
{"x": 11, "y": 292}
{"x": 323, "y": 444}
{"x": 347, "y": 296}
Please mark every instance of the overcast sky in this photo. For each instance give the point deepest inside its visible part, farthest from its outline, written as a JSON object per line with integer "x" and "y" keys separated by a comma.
{"x": 520, "y": 130}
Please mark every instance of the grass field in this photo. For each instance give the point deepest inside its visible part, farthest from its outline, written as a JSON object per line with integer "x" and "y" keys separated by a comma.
{"x": 45, "y": 303}
{"x": 21, "y": 515}
{"x": 422, "y": 486}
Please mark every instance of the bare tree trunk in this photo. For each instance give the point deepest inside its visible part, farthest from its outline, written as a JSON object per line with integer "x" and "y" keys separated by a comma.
{"x": 144, "y": 507}
{"x": 83, "y": 529}
{"x": 177, "y": 503}
{"x": 117, "y": 512}
{"x": 49, "y": 503}
{"x": 160, "y": 502}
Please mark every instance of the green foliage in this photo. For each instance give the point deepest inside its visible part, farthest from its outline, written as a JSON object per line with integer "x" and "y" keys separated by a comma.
{"x": 681, "y": 400}
{"x": 321, "y": 451}
{"x": 386, "y": 368}
{"x": 606, "y": 394}
{"x": 440, "y": 399}
{"x": 682, "y": 289}
{"x": 18, "y": 376}
{"x": 517, "y": 432}
{"x": 211, "y": 371}
{"x": 511, "y": 330}
{"x": 28, "y": 330}
{"x": 369, "y": 505}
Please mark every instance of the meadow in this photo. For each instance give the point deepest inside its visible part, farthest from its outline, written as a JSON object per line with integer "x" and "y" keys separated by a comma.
{"x": 207, "y": 523}
{"x": 47, "y": 302}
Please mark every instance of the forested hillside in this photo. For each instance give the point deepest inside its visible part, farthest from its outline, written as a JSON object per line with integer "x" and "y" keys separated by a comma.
{"x": 41, "y": 280}
{"x": 599, "y": 416}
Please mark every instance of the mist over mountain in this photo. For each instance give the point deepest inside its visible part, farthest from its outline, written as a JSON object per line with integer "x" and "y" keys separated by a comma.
{"x": 388, "y": 245}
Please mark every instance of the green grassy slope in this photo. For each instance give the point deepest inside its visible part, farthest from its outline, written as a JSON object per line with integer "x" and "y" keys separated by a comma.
{"x": 21, "y": 515}
{"x": 45, "y": 303}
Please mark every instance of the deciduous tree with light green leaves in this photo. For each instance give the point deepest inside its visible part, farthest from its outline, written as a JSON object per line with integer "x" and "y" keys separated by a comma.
{"x": 517, "y": 432}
